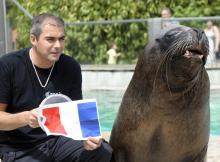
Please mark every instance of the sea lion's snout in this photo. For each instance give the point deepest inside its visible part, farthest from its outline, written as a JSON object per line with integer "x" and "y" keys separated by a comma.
{"x": 199, "y": 48}
{"x": 191, "y": 43}
{"x": 193, "y": 53}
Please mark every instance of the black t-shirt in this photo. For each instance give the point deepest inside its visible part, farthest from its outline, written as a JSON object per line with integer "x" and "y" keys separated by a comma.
{"x": 20, "y": 89}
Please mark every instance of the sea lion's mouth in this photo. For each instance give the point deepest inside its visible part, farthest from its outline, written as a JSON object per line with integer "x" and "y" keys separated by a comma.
{"x": 193, "y": 54}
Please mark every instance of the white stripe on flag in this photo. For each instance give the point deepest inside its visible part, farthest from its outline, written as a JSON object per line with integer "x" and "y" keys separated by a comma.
{"x": 70, "y": 120}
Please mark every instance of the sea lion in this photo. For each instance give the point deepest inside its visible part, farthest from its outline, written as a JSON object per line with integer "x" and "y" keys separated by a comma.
{"x": 164, "y": 115}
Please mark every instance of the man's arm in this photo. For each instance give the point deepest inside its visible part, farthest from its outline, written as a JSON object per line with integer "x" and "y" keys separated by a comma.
{"x": 9, "y": 121}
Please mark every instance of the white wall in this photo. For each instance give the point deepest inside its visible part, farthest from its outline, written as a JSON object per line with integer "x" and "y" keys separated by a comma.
{"x": 118, "y": 77}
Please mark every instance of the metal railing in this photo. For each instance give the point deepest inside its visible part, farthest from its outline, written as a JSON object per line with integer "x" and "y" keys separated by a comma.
{"x": 153, "y": 25}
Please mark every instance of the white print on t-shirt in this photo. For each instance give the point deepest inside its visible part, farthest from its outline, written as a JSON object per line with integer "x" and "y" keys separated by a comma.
{"x": 51, "y": 93}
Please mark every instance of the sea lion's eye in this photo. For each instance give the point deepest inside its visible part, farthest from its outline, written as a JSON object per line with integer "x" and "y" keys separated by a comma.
{"x": 172, "y": 34}
{"x": 168, "y": 36}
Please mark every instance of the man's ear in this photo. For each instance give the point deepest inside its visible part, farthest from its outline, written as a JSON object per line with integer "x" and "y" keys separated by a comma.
{"x": 33, "y": 39}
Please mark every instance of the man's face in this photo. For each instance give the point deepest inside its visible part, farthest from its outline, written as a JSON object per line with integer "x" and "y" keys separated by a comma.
{"x": 209, "y": 24}
{"x": 165, "y": 14}
{"x": 50, "y": 43}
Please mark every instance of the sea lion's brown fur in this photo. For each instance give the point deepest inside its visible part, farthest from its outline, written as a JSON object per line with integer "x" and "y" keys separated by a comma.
{"x": 164, "y": 114}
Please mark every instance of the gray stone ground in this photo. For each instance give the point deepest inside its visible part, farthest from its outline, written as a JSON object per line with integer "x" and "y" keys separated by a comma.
{"x": 214, "y": 149}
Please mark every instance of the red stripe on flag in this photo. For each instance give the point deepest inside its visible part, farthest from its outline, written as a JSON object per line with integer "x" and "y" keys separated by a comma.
{"x": 53, "y": 122}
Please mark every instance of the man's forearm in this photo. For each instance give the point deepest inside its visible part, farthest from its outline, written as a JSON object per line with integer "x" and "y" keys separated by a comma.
{"x": 10, "y": 121}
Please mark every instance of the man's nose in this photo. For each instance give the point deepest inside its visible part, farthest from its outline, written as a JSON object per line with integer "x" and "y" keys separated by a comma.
{"x": 57, "y": 44}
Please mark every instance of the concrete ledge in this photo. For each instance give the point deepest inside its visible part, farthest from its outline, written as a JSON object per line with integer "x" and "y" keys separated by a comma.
{"x": 117, "y": 77}
{"x": 129, "y": 67}
{"x": 111, "y": 68}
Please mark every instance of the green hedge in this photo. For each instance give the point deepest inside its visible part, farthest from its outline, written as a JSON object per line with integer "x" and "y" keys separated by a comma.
{"x": 89, "y": 43}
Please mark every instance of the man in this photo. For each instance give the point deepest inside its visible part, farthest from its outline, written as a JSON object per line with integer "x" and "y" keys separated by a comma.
{"x": 166, "y": 14}
{"x": 27, "y": 77}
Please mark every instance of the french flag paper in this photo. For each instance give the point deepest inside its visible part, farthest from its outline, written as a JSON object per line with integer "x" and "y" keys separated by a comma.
{"x": 75, "y": 119}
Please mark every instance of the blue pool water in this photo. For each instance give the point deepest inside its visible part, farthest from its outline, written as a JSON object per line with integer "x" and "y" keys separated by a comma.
{"x": 215, "y": 112}
{"x": 109, "y": 101}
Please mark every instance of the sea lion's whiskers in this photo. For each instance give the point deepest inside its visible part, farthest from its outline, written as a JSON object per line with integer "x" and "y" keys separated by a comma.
{"x": 177, "y": 47}
{"x": 160, "y": 65}
{"x": 168, "y": 54}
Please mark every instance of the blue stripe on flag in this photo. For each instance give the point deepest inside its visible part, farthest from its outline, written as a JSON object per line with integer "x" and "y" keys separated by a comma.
{"x": 88, "y": 119}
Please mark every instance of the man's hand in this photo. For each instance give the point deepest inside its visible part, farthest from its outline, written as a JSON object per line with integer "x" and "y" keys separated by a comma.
{"x": 92, "y": 143}
{"x": 32, "y": 119}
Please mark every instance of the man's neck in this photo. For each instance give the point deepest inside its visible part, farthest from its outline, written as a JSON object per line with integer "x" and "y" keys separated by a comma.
{"x": 37, "y": 60}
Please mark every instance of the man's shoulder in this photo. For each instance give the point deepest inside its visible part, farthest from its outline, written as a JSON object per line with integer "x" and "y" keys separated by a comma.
{"x": 14, "y": 56}
{"x": 68, "y": 61}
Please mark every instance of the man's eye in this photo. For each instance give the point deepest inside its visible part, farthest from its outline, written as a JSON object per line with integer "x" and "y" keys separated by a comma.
{"x": 50, "y": 40}
{"x": 62, "y": 39}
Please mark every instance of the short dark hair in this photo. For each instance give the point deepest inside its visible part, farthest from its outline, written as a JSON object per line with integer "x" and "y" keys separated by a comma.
{"x": 167, "y": 9}
{"x": 37, "y": 22}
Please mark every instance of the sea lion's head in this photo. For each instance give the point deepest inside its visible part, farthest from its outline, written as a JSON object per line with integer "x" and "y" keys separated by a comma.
{"x": 178, "y": 55}
{"x": 186, "y": 43}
